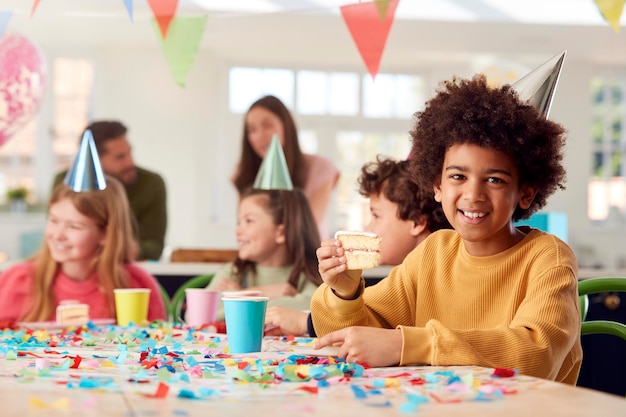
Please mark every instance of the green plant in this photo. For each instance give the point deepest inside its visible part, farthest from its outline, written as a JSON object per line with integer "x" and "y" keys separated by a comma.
{"x": 17, "y": 193}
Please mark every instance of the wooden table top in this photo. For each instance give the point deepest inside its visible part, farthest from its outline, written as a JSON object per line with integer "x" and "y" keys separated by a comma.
{"x": 163, "y": 371}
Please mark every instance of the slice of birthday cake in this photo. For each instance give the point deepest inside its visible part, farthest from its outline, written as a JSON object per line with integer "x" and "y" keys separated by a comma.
{"x": 72, "y": 312}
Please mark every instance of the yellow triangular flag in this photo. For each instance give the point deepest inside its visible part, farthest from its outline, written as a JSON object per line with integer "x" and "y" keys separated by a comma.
{"x": 612, "y": 11}
{"x": 382, "y": 6}
{"x": 181, "y": 45}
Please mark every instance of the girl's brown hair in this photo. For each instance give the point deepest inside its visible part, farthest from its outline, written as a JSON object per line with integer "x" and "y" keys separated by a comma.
{"x": 290, "y": 209}
{"x": 110, "y": 210}
{"x": 250, "y": 161}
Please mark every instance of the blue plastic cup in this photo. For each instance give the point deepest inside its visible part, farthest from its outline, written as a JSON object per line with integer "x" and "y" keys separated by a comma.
{"x": 245, "y": 321}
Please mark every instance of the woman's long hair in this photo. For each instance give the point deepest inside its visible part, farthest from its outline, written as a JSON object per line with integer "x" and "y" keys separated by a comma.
{"x": 110, "y": 210}
{"x": 290, "y": 209}
{"x": 250, "y": 161}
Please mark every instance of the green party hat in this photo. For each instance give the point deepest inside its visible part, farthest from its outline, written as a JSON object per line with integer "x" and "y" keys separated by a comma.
{"x": 538, "y": 86}
{"x": 86, "y": 173}
{"x": 273, "y": 172}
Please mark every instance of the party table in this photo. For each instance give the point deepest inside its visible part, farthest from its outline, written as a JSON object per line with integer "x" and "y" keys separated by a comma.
{"x": 161, "y": 370}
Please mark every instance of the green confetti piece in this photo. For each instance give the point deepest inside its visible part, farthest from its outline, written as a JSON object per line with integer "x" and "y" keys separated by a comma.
{"x": 163, "y": 374}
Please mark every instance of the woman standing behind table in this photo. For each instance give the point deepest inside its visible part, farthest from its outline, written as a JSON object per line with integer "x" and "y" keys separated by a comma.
{"x": 315, "y": 175}
{"x": 88, "y": 251}
{"x": 277, "y": 240}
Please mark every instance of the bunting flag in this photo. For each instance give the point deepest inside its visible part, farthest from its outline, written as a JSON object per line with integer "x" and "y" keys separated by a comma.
{"x": 163, "y": 11}
{"x": 368, "y": 31}
{"x": 35, "y": 5}
{"x": 129, "y": 8}
{"x": 382, "y": 6}
{"x": 181, "y": 46}
{"x": 5, "y": 16}
{"x": 611, "y": 11}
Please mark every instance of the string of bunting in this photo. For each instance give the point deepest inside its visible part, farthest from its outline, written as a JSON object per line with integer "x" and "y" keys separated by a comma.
{"x": 368, "y": 23}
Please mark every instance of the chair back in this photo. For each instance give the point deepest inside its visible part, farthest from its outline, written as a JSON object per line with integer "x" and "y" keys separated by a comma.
{"x": 594, "y": 286}
{"x": 179, "y": 296}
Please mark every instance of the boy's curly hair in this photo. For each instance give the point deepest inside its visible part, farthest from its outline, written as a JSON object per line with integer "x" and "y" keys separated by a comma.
{"x": 468, "y": 111}
{"x": 395, "y": 181}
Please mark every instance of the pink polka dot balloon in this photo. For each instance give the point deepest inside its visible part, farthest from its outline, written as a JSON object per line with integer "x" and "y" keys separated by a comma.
{"x": 22, "y": 83}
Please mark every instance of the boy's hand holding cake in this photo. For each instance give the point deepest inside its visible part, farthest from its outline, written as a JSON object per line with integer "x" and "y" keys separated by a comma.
{"x": 342, "y": 259}
{"x": 361, "y": 249}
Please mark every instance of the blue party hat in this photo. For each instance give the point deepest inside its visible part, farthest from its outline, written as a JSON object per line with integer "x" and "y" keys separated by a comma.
{"x": 538, "y": 86}
{"x": 273, "y": 173}
{"x": 86, "y": 174}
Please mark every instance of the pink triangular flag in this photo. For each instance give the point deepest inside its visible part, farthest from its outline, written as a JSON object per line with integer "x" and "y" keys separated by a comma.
{"x": 129, "y": 8}
{"x": 368, "y": 31}
{"x": 35, "y": 5}
{"x": 163, "y": 11}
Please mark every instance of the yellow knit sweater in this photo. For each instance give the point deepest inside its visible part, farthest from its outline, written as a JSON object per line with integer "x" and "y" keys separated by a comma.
{"x": 516, "y": 309}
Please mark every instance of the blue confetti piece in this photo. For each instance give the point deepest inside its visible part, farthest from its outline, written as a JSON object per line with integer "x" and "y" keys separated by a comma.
{"x": 415, "y": 398}
{"x": 187, "y": 393}
{"x": 380, "y": 383}
{"x": 408, "y": 408}
{"x": 358, "y": 392}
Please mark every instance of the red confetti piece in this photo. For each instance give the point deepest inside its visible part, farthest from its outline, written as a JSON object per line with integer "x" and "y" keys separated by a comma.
{"x": 312, "y": 390}
{"x": 417, "y": 381}
{"x": 76, "y": 363}
{"x": 161, "y": 391}
{"x": 29, "y": 354}
{"x": 152, "y": 363}
{"x": 242, "y": 365}
{"x": 503, "y": 372}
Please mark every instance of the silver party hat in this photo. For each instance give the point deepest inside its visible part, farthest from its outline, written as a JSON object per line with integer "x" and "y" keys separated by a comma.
{"x": 273, "y": 173}
{"x": 86, "y": 173}
{"x": 538, "y": 86}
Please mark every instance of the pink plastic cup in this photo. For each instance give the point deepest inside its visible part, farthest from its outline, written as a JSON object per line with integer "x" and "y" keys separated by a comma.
{"x": 202, "y": 306}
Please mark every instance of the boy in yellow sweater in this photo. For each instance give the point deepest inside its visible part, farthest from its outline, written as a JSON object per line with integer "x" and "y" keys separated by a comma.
{"x": 486, "y": 293}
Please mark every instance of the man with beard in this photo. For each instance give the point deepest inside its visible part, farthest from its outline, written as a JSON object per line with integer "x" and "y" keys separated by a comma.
{"x": 145, "y": 189}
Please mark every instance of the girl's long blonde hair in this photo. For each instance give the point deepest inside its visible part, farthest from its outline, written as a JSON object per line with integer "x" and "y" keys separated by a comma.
{"x": 110, "y": 210}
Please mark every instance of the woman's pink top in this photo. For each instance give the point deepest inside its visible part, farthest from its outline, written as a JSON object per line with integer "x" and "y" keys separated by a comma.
{"x": 16, "y": 287}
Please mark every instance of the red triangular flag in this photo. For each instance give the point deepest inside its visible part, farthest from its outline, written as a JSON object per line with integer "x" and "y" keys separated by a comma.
{"x": 35, "y": 5}
{"x": 368, "y": 31}
{"x": 163, "y": 11}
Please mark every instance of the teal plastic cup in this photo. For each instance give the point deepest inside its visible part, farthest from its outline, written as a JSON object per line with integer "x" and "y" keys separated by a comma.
{"x": 245, "y": 321}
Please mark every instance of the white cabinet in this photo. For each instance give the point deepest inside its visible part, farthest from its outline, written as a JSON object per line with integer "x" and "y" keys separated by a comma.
{"x": 20, "y": 234}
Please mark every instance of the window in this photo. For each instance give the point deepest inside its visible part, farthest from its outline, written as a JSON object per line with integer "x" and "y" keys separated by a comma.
{"x": 71, "y": 84}
{"x": 607, "y": 186}
{"x": 344, "y": 116}
{"x": 16, "y": 159}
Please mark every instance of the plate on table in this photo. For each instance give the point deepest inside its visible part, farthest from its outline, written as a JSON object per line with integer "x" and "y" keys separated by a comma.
{"x": 53, "y": 325}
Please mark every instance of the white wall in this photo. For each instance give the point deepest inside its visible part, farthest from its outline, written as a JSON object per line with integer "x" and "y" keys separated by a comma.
{"x": 188, "y": 136}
